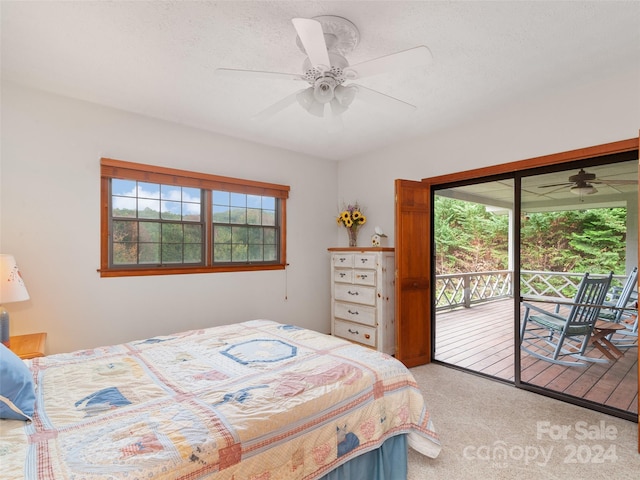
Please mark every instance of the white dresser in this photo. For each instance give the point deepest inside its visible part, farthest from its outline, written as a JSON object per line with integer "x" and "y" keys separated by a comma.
{"x": 362, "y": 292}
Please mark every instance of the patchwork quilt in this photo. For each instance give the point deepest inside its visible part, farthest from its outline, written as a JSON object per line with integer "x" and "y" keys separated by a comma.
{"x": 257, "y": 400}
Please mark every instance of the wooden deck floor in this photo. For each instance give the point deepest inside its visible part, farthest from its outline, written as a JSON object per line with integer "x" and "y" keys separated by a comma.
{"x": 481, "y": 339}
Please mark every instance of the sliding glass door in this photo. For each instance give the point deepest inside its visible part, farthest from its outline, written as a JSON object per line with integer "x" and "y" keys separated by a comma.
{"x": 534, "y": 234}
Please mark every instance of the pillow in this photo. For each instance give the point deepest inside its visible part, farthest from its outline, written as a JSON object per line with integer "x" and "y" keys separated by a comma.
{"x": 17, "y": 394}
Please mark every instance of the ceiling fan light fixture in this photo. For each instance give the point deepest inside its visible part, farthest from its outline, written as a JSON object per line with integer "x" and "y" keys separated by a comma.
{"x": 586, "y": 189}
{"x": 345, "y": 95}
{"x": 338, "y": 108}
{"x": 323, "y": 89}
{"x": 307, "y": 100}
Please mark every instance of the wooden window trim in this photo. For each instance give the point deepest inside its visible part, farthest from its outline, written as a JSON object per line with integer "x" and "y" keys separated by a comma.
{"x": 111, "y": 168}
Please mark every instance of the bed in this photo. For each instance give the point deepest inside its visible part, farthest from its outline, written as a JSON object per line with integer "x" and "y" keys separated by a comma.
{"x": 256, "y": 400}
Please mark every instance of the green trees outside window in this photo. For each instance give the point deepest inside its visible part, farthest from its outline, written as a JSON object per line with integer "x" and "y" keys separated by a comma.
{"x": 469, "y": 238}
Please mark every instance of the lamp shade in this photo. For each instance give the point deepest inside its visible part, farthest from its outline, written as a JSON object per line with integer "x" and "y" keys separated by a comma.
{"x": 12, "y": 287}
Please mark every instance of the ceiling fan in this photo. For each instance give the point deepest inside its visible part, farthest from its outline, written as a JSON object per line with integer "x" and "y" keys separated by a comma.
{"x": 326, "y": 40}
{"x": 583, "y": 183}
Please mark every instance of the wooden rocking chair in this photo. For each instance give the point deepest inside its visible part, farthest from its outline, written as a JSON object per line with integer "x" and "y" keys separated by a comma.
{"x": 554, "y": 337}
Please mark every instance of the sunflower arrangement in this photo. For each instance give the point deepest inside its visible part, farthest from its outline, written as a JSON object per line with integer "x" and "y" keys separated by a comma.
{"x": 351, "y": 216}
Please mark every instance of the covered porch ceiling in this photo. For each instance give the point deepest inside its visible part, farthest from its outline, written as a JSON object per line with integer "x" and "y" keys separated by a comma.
{"x": 498, "y": 195}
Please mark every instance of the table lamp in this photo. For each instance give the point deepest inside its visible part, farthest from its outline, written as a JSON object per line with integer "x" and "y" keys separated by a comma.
{"x": 12, "y": 289}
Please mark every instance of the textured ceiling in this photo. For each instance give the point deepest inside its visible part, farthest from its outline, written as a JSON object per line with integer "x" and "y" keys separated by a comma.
{"x": 160, "y": 59}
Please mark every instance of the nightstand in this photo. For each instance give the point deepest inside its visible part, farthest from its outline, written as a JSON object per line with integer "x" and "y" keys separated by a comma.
{"x": 28, "y": 346}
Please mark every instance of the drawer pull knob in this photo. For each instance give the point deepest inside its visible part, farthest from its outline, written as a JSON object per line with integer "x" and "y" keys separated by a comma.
{"x": 367, "y": 336}
{"x": 342, "y": 259}
{"x": 353, "y": 313}
{"x": 352, "y": 293}
{"x": 342, "y": 275}
{"x": 364, "y": 260}
{"x": 356, "y": 332}
{"x": 363, "y": 277}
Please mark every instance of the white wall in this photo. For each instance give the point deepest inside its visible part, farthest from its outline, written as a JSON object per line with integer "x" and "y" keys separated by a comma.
{"x": 49, "y": 219}
{"x": 590, "y": 114}
{"x": 49, "y": 200}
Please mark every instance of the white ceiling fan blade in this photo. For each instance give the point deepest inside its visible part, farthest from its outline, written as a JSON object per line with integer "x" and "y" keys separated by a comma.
{"x": 414, "y": 57}
{"x": 389, "y": 104}
{"x": 237, "y": 73}
{"x": 276, "y": 107}
{"x": 312, "y": 38}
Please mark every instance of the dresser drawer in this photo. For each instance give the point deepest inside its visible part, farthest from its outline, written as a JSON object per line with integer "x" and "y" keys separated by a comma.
{"x": 364, "y": 277}
{"x": 343, "y": 275}
{"x": 355, "y": 332}
{"x": 364, "y": 260}
{"x": 355, "y": 294}
{"x": 355, "y": 313}
{"x": 342, "y": 260}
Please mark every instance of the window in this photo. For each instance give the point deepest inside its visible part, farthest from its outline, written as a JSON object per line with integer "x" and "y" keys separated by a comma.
{"x": 159, "y": 221}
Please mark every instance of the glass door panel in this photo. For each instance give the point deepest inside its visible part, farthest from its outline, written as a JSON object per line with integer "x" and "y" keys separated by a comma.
{"x": 474, "y": 319}
{"x": 573, "y": 222}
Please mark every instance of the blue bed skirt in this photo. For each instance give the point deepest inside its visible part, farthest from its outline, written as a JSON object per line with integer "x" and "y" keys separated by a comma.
{"x": 389, "y": 462}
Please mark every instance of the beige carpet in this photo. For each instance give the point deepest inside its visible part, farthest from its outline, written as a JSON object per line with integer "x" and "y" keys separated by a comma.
{"x": 539, "y": 438}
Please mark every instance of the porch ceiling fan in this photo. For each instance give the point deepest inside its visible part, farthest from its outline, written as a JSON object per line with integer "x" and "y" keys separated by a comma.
{"x": 325, "y": 40}
{"x": 583, "y": 183}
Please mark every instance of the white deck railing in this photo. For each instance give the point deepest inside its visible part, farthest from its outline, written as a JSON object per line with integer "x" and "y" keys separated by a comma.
{"x": 465, "y": 289}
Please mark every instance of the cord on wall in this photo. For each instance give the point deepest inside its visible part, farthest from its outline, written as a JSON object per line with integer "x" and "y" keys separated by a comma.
{"x": 286, "y": 283}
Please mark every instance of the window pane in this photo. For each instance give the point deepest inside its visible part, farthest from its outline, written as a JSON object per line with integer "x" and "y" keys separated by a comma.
{"x": 150, "y": 232}
{"x": 270, "y": 253}
{"x": 221, "y": 234}
{"x": 222, "y": 253}
{"x": 192, "y": 195}
{"x": 254, "y": 201}
{"x": 239, "y": 235}
{"x": 238, "y": 253}
{"x": 172, "y": 233}
{"x": 171, "y": 253}
{"x": 124, "y": 253}
{"x": 244, "y": 210}
{"x": 193, "y": 234}
{"x": 124, "y": 231}
{"x": 269, "y": 236}
{"x": 255, "y": 253}
{"x": 268, "y": 217}
{"x": 221, "y": 198}
{"x": 221, "y": 214}
{"x": 255, "y": 236}
{"x": 148, "y": 190}
{"x": 254, "y": 216}
{"x": 148, "y": 208}
{"x": 269, "y": 203}
{"x": 171, "y": 210}
{"x": 238, "y": 200}
{"x": 171, "y": 192}
{"x": 191, "y": 212}
{"x": 149, "y": 253}
{"x": 239, "y": 215}
{"x": 125, "y": 188}
{"x": 124, "y": 207}
{"x": 192, "y": 253}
